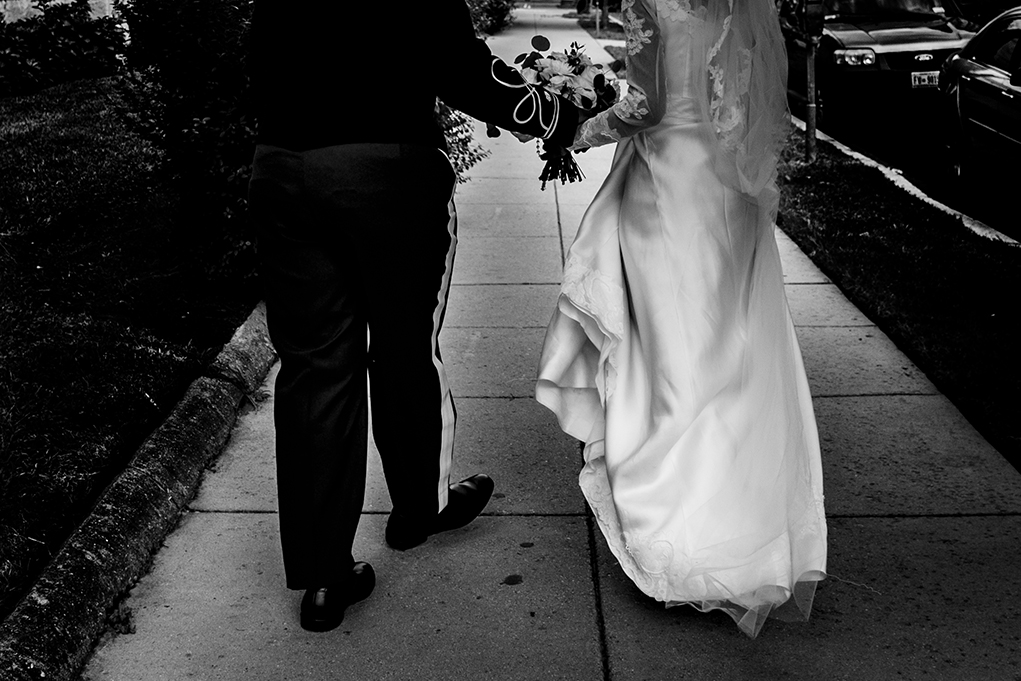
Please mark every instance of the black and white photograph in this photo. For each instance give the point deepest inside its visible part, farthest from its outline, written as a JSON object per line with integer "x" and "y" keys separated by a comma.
{"x": 582, "y": 340}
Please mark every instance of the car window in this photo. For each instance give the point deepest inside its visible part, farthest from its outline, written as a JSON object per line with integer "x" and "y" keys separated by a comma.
{"x": 984, "y": 11}
{"x": 997, "y": 50}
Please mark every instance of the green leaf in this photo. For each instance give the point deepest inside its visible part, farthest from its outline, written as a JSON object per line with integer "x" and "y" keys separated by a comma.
{"x": 540, "y": 43}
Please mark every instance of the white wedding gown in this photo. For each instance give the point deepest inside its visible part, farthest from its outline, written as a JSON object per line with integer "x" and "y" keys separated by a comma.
{"x": 673, "y": 357}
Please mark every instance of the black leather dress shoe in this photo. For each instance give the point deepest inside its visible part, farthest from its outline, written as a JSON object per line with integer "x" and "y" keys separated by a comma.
{"x": 323, "y": 609}
{"x": 465, "y": 502}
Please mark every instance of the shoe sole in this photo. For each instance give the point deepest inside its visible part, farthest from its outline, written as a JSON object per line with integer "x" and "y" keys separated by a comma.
{"x": 404, "y": 546}
{"x": 320, "y": 626}
{"x": 309, "y": 623}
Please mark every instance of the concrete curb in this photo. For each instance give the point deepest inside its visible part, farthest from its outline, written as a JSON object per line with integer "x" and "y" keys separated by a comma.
{"x": 52, "y": 630}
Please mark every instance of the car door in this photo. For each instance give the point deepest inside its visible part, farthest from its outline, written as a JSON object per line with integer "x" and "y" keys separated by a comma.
{"x": 1012, "y": 108}
{"x": 990, "y": 105}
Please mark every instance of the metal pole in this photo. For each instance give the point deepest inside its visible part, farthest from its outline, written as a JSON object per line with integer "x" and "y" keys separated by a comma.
{"x": 813, "y": 43}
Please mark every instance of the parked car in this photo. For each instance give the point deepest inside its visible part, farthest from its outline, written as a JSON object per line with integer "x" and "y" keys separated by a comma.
{"x": 874, "y": 54}
{"x": 981, "y": 88}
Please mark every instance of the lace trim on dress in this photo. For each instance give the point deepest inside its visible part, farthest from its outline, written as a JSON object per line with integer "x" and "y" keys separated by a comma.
{"x": 675, "y": 10}
{"x": 595, "y": 132}
{"x": 658, "y": 569}
{"x": 636, "y": 37}
{"x": 634, "y": 106}
{"x": 653, "y": 555}
{"x": 596, "y": 293}
{"x": 645, "y": 102}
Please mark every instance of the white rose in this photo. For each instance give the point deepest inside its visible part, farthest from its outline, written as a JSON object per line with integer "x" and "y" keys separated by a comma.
{"x": 552, "y": 67}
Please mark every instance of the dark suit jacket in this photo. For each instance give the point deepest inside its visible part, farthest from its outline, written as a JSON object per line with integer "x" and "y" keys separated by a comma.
{"x": 328, "y": 72}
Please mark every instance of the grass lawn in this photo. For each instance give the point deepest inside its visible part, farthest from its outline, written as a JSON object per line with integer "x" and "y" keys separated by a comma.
{"x": 110, "y": 305}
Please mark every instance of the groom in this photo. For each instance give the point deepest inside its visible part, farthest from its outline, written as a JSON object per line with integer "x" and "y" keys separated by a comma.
{"x": 352, "y": 201}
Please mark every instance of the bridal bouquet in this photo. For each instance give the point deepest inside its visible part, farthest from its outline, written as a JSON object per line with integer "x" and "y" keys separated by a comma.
{"x": 573, "y": 76}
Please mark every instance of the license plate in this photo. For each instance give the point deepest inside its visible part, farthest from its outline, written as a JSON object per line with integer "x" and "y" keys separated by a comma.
{"x": 925, "y": 79}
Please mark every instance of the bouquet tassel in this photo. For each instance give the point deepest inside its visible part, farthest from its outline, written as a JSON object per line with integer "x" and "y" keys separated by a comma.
{"x": 560, "y": 165}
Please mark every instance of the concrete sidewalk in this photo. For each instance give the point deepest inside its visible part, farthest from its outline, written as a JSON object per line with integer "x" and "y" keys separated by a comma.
{"x": 925, "y": 516}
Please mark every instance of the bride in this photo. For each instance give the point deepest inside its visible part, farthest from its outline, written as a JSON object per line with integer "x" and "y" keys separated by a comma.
{"x": 671, "y": 353}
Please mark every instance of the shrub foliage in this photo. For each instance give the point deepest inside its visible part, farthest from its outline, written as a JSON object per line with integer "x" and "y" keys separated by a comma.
{"x": 491, "y": 16}
{"x": 63, "y": 43}
{"x": 189, "y": 93}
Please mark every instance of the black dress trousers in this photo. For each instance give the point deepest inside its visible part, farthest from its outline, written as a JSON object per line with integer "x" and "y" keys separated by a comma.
{"x": 356, "y": 244}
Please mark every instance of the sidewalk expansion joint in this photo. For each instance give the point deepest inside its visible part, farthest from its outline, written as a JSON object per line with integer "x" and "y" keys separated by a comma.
{"x": 507, "y": 514}
{"x": 230, "y": 511}
{"x": 843, "y": 395}
{"x": 509, "y": 283}
{"x": 884, "y": 516}
{"x": 584, "y": 514}
{"x": 560, "y": 227}
{"x": 597, "y": 595}
{"x": 870, "y": 325}
{"x": 455, "y": 326}
{"x": 495, "y": 514}
{"x": 502, "y": 283}
{"x": 494, "y": 397}
{"x": 462, "y": 237}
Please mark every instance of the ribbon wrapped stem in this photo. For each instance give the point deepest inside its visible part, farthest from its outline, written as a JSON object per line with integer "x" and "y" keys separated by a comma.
{"x": 560, "y": 165}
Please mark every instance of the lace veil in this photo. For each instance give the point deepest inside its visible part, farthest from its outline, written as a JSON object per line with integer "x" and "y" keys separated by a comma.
{"x": 740, "y": 71}
{"x": 738, "y": 74}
